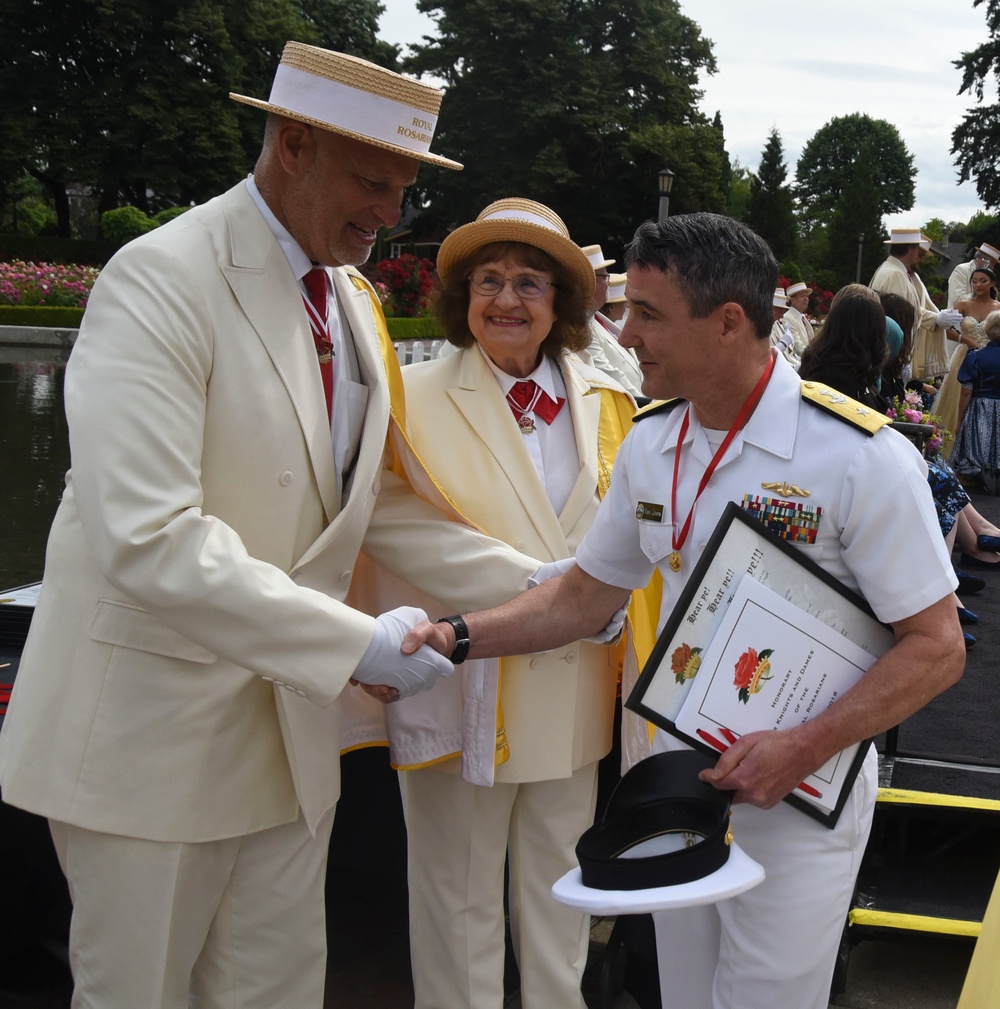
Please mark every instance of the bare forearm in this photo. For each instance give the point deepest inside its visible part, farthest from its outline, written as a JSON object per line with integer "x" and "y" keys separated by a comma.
{"x": 556, "y": 612}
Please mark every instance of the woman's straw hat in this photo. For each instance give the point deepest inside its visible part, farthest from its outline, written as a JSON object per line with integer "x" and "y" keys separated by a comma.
{"x": 517, "y": 220}
{"x": 356, "y": 98}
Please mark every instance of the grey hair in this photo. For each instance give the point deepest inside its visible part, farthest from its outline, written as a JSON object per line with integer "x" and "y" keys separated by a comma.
{"x": 991, "y": 327}
{"x": 714, "y": 259}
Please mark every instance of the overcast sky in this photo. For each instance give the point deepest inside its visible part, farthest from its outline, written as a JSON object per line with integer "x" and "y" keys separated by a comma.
{"x": 796, "y": 66}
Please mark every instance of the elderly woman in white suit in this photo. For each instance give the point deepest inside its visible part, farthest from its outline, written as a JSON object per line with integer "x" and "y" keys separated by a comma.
{"x": 522, "y": 435}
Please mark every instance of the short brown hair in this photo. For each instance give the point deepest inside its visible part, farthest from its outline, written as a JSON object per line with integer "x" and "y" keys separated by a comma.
{"x": 570, "y": 330}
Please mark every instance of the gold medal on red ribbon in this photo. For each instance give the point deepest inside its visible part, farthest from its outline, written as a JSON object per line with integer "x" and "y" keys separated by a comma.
{"x": 674, "y": 560}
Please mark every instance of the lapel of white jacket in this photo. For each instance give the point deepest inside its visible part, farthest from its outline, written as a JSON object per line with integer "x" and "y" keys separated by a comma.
{"x": 477, "y": 395}
{"x": 585, "y": 409}
{"x": 262, "y": 282}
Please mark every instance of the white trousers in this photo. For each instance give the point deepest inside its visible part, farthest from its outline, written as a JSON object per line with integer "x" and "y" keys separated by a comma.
{"x": 458, "y": 836}
{"x": 232, "y": 924}
{"x": 775, "y": 945}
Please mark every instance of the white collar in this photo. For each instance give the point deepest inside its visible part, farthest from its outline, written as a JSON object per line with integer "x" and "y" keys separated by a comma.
{"x": 297, "y": 259}
{"x": 547, "y": 378}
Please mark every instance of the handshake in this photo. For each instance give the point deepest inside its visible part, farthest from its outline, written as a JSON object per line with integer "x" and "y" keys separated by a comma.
{"x": 407, "y": 655}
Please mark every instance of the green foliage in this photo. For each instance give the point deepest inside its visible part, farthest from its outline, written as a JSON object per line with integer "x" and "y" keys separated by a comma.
{"x": 975, "y": 142}
{"x": 770, "y": 209}
{"x": 857, "y": 213}
{"x": 576, "y": 103}
{"x": 791, "y": 270}
{"x": 125, "y": 223}
{"x": 40, "y": 315}
{"x": 168, "y": 215}
{"x": 828, "y": 161}
{"x": 427, "y": 328}
{"x": 934, "y": 229}
{"x": 140, "y": 111}
{"x": 739, "y": 190}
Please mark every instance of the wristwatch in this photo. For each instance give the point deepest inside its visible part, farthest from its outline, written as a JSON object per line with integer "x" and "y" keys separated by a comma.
{"x": 462, "y": 640}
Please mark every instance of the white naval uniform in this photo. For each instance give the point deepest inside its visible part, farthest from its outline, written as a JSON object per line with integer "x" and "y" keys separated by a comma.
{"x": 776, "y": 944}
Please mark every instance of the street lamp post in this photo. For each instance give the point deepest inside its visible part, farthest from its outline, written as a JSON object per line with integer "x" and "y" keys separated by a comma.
{"x": 665, "y": 182}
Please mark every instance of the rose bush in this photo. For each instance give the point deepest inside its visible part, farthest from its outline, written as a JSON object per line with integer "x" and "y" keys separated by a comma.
{"x": 48, "y": 284}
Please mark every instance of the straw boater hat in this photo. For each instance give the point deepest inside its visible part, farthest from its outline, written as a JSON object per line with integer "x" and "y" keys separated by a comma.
{"x": 797, "y": 288}
{"x": 989, "y": 250}
{"x": 616, "y": 288}
{"x": 596, "y": 257}
{"x": 517, "y": 220}
{"x": 779, "y": 300}
{"x": 356, "y": 98}
{"x": 904, "y": 236}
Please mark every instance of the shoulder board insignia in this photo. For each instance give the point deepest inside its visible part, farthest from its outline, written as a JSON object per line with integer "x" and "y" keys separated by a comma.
{"x": 843, "y": 407}
{"x": 657, "y": 406}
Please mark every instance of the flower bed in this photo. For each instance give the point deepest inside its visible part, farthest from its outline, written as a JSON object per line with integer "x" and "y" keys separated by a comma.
{"x": 47, "y": 284}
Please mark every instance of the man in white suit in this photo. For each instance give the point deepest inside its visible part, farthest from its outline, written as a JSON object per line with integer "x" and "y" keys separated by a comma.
{"x": 897, "y": 275}
{"x": 176, "y": 712}
{"x": 604, "y": 351}
{"x": 960, "y": 281}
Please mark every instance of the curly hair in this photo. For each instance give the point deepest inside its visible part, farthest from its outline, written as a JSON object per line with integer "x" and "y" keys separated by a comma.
{"x": 570, "y": 330}
{"x": 852, "y": 340}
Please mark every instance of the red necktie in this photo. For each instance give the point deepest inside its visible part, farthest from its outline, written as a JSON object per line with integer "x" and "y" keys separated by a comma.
{"x": 527, "y": 397}
{"x": 317, "y": 308}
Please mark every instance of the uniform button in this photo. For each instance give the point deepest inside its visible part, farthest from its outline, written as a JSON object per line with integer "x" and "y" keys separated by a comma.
{"x": 288, "y": 686}
{"x": 711, "y": 482}
{"x": 533, "y": 664}
{"x": 376, "y": 487}
{"x": 571, "y": 656}
{"x": 268, "y": 679}
{"x": 301, "y": 693}
{"x": 701, "y": 547}
{"x": 285, "y": 479}
{"x": 519, "y": 545}
{"x": 345, "y": 576}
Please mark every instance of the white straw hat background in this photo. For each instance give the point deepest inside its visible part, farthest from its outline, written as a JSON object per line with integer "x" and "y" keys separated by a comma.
{"x": 356, "y": 98}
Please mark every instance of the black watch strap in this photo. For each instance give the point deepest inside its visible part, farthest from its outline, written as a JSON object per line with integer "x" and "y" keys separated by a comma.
{"x": 462, "y": 640}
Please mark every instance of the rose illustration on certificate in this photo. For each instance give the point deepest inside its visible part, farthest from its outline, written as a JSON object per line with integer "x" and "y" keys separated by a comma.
{"x": 742, "y": 687}
{"x": 753, "y": 670}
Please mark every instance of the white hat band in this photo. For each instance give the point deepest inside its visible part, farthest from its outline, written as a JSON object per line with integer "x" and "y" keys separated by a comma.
{"x": 522, "y": 215}
{"x": 353, "y": 109}
{"x": 596, "y": 257}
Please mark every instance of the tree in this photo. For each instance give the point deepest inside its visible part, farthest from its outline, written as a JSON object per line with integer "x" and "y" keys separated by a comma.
{"x": 828, "y": 160}
{"x": 139, "y": 114}
{"x": 770, "y": 210}
{"x": 739, "y": 190}
{"x": 975, "y": 142}
{"x": 576, "y": 103}
{"x": 857, "y": 220}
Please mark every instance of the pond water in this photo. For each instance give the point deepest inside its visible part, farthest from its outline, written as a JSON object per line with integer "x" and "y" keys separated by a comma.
{"x": 34, "y": 457}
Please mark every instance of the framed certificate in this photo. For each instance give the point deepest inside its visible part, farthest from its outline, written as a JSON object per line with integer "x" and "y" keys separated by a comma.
{"x": 742, "y": 548}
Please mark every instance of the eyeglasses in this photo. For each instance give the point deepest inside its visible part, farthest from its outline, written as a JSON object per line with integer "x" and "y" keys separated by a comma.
{"x": 527, "y": 286}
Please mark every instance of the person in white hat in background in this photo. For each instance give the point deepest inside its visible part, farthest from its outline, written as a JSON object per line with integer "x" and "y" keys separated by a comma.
{"x": 782, "y": 336}
{"x": 176, "y": 711}
{"x": 798, "y": 322}
{"x": 615, "y": 308}
{"x": 960, "y": 281}
{"x": 897, "y": 275}
{"x": 604, "y": 351}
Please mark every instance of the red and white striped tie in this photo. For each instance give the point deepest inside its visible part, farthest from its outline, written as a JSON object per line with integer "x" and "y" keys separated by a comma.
{"x": 318, "y": 310}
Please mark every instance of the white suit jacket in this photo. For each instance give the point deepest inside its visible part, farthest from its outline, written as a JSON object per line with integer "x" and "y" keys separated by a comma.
{"x": 930, "y": 351}
{"x": 607, "y": 355}
{"x": 181, "y": 677}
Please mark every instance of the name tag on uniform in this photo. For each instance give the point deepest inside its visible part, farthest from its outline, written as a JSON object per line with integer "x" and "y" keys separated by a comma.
{"x": 646, "y": 511}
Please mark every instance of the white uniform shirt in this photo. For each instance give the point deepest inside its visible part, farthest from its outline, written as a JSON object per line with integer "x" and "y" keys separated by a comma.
{"x": 876, "y": 528}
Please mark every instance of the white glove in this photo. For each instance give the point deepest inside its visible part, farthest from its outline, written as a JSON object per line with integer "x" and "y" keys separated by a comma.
{"x": 613, "y": 629}
{"x": 948, "y": 318}
{"x": 383, "y": 662}
{"x": 550, "y": 569}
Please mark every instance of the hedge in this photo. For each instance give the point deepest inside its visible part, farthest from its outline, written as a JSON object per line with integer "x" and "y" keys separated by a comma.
{"x": 69, "y": 318}
{"x": 68, "y": 251}
{"x": 40, "y": 315}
